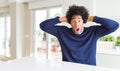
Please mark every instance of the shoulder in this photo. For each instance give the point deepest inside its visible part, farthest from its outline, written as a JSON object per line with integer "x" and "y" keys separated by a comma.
{"x": 62, "y": 27}
{"x": 91, "y": 27}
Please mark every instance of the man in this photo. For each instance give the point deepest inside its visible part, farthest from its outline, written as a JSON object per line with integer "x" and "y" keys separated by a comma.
{"x": 78, "y": 44}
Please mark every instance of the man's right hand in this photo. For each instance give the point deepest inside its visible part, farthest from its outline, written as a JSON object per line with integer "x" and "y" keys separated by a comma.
{"x": 63, "y": 19}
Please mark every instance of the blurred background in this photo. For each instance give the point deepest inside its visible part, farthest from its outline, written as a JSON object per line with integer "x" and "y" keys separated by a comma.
{"x": 20, "y": 35}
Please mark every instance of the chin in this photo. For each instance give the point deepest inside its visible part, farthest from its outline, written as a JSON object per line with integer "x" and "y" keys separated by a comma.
{"x": 77, "y": 33}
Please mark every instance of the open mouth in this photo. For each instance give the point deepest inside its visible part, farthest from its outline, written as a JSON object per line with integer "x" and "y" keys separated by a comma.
{"x": 77, "y": 29}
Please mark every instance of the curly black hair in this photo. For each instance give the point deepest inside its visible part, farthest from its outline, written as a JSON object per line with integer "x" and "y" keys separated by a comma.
{"x": 77, "y": 10}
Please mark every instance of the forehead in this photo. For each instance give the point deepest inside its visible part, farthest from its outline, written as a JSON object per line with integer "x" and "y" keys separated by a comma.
{"x": 76, "y": 17}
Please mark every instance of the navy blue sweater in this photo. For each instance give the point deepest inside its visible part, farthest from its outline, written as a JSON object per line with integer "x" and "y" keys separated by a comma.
{"x": 79, "y": 48}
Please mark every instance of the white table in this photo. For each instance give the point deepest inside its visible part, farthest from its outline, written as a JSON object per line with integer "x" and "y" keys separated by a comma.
{"x": 37, "y": 64}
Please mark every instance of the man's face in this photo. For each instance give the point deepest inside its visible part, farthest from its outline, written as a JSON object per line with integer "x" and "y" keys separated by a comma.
{"x": 77, "y": 24}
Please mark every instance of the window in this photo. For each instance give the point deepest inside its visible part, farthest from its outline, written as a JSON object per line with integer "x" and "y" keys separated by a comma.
{"x": 46, "y": 45}
{"x": 40, "y": 37}
{"x": 5, "y": 34}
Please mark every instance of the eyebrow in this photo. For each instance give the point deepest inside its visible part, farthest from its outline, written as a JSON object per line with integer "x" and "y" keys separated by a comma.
{"x": 78, "y": 18}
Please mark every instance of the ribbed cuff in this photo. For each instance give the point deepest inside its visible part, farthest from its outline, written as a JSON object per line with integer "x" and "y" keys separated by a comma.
{"x": 91, "y": 18}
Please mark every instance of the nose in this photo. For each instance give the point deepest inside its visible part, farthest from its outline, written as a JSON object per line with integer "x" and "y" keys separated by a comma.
{"x": 76, "y": 23}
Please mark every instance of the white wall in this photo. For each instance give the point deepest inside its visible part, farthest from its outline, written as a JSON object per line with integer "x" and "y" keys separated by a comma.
{"x": 11, "y": 1}
{"x": 7, "y": 2}
{"x": 3, "y": 3}
{"x": 20, "y": 30}
{"x": 44, "y": 3}
{"x": 108, "y": 7}
{"x": 17, "y": 29}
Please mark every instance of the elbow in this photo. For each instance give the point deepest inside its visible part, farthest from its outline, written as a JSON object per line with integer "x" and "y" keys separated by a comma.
{"x": 115, "y": 27}
{"x": 41, "y": 25}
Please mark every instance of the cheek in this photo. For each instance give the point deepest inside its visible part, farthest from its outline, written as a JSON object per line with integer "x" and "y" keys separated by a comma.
{"x": 81, "y": 23}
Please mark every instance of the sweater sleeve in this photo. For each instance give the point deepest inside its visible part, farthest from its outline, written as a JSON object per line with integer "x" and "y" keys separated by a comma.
{"x": 107, "y": 26}
{"x": 49, "y": 25}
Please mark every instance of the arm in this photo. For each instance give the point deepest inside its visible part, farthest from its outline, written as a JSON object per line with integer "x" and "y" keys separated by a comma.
{"x": 107, "y": 25}
{"x": 49, "y": 25}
